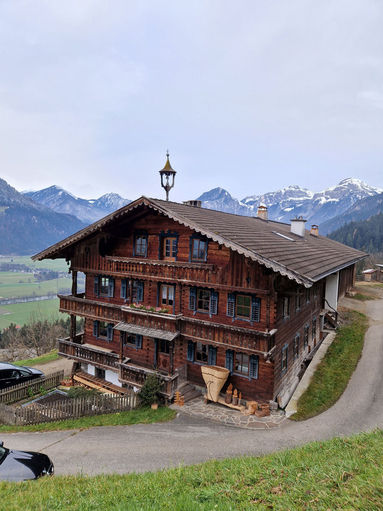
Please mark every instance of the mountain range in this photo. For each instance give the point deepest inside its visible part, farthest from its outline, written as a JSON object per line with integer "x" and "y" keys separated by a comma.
{"x": 321, "y": 208}
{"x": 27, "y": 227}
{"x": 86, "y": 210}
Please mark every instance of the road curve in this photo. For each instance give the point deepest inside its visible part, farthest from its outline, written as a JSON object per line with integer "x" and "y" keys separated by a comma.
{"x": 186, "y": 440}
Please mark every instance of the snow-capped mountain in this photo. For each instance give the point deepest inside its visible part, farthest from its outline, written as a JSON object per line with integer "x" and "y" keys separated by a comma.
{"x": 87, "y": 211}
{"x": 292, "y": 201}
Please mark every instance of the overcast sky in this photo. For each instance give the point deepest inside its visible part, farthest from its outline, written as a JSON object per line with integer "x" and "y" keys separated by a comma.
{"x": 247, "y": 95}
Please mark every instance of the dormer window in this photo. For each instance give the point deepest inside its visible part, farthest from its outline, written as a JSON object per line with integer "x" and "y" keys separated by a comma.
{"x": 141, "y": 245}
{"x": 198, "y": 250}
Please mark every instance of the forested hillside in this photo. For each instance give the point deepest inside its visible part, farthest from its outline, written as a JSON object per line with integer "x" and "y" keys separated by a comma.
{"x": 365, "y": 235}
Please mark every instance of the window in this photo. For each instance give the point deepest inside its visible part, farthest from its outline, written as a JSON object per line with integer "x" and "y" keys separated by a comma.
{"x": 103, "y": 330}
{"x": 103, "y": 286}
{"x": 169, "y": 248}
{"x": 244, "y": 307}
{"x": 286, "y": 307}
{"x": 284, "y": 358}
{"x": 296, "y": 346}
{"x": 314, "y": 330}
{"x": 201, "y": 352}
{"x": 198, "y": 250}
{"x": 164, "y": 346}
{"x": 298, "y": 301}
{"x": 203, "y": 300}
{"x": 166, "y": 295}
{"x": 99, "y": 373}
{"x": 306, "y": 336}
{"x": 241, "y": 364}
{"x": 308, "y": 293}
{"x": 133, "y": 289}
{"x": 141, "y": 245}
{"x": 131, "y": 340}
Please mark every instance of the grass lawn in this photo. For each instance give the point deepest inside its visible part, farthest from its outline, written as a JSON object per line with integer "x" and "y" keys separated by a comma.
{"x": 43, "y": 359}
{"x": 15, "y": 285}
{"x": 335, "y": 370}
{"x": 138, "y": 416}
{"x": 362, "y": 297}
{"x": 22, "y": 313}
{"x": 337, "y": 474}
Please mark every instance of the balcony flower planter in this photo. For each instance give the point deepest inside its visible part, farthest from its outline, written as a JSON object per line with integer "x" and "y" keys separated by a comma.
{"x": 214, "y": 378}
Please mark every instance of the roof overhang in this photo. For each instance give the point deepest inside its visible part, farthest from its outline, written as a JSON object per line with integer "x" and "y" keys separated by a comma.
{"x": 146, "y": 332}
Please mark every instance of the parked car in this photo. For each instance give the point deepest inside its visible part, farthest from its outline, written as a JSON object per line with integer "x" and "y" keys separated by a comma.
{"x": 12, "y": 375}
{"x": 23, "y": 465}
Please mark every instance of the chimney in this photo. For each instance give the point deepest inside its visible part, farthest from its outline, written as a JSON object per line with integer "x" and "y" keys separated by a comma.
{"x": 298, "y": 226}
{"x": 194, "y": 203}
{"x": 262, "y": 212}
{"x": 314, "y": 230}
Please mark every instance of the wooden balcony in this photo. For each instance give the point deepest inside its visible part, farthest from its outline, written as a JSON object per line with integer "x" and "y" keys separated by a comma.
{"x": 152, "y": 269}
{"x": 133, "y": 374}
{"x": 87, "y": 353}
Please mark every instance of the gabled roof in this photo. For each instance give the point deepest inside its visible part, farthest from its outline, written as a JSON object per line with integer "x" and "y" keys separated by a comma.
{"x": 303, "y": 259}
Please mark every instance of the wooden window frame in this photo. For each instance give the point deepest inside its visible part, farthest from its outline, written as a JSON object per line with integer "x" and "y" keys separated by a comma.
{"x": 201, "y": 350}
{"x": 173, "y": 248}
{"x": 205, "y": 300}
{"x": 241, "y": 316}
{"x": 164, "y": 346}
{"x": 142, "y": 247}
{"x": 296, "y": 345}
{"x": 285, "y": 307}
{"x": 236, "y": 370}
{"x": 284, "y": 358}
{"x": 198, "y": 240}
{"x": 166, "y": 287}
{"x": 306, "y": 334}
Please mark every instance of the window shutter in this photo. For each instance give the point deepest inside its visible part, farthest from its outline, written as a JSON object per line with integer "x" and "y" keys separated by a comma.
{"x": 255, "y": 309}
{"x": 96, "y": 285}
{"x": 140, "y": 291}
{"x": 230, "y": 305}
{"x": 213, "y": 303}
{"x": 212, "y": 355}
{"x": 110, "y": 287}
{"x": 254, "y": 361}
{"x": 191, "y": 347}
{"x": 123, "y": 288}
{"x": 139, "y": 341}
{"x": 109, "y": 333}
{"x": 230, "y": 360}
{"x": 193, "y": 299}
{"x": 95, "y": 328}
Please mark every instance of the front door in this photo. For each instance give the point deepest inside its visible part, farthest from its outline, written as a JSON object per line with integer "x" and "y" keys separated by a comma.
{"x": 163, "y": 356}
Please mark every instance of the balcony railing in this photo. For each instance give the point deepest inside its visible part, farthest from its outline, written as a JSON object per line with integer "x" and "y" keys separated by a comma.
{"x": 88, "y": 354}
{"x": 136, "y": 375}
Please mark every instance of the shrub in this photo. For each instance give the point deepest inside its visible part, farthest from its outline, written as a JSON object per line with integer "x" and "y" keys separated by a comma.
{"x": 150, "y": 391}
{"x": 74, "y": 392}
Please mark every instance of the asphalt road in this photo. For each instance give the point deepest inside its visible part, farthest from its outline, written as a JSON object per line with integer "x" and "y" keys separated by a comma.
{"x": 186, "y": 440}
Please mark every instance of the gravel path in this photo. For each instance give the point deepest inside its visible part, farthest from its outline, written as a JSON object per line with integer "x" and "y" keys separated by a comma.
{"x": 187, "y": 440}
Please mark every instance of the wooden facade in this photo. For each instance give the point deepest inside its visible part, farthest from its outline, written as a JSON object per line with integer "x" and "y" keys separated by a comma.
{"x": 161, "y": 297}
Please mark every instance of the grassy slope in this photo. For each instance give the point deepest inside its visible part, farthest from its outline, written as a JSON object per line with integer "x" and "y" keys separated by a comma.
{"x": 337, "y": 474}
{"x": 43, "y": 359}
{"x": 49, "y": 264}
{"x": 335, "y": 370}
{"x": 15, "y": 285}
{"x": 22, "y": 313}
{"x": 138, "y": 416}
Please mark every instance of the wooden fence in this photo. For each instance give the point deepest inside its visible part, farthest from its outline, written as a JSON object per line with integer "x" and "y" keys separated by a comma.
{"x": 36, "y": 413}
{"x": 29, "y": 388}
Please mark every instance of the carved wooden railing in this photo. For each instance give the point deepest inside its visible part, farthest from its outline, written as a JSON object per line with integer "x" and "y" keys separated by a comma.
{"x": 152, "y": 269}
{"x": 88, "y": 354}
{"x": 136, "y": 375}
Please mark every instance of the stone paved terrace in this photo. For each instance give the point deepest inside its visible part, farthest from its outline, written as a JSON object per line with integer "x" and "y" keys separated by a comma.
{"x": 219, "y": 413}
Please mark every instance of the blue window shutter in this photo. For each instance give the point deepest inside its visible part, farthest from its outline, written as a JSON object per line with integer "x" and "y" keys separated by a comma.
{"x": 212, "y": 355}
{"x": 230, "y": 305}
{"x": 213, "y": 303}
{"x": 254, "y": 361}
{"x": 190, "y": 355}
{"x": 140, "y": 291}
{"x": 110, "y": 287}
{"x": 96, "y": 285}
{"x": 138, "y": 341}
{"x": 255, "y": 309}
{"x": 95, "y": 328}
{"x": 230, "y": 360}
{"x": 123, "y": 288}
{"x": 109, "y": 334}
{"x": 193, "y": 299}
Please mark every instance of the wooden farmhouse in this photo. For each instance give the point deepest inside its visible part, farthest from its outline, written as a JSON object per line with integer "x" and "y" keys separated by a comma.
{"x": 171, "y": 287}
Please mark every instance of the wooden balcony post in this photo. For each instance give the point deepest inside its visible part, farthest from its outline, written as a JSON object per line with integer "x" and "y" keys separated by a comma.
{"x": 73, "y": 328}
{"x": 74, "y": 282}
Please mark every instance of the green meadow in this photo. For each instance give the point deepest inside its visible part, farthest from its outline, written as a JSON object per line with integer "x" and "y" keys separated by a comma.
{"x": 22, "y": 313}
